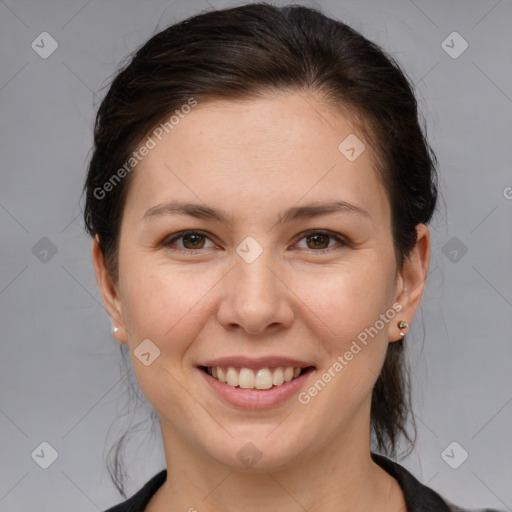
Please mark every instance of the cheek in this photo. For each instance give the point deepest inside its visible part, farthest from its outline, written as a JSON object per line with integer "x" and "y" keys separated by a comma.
{"x": 353, "y": 313}
{"x": 166, "y": 308}
{"x": 164, "y": 304}
{"x": 345, "y": 299}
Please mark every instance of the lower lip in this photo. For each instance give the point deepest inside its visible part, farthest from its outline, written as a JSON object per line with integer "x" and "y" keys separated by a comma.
{"x": 256, "y": 398}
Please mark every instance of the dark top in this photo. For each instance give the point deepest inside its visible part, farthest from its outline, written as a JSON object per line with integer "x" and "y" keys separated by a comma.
{"x": 418, "y": 497}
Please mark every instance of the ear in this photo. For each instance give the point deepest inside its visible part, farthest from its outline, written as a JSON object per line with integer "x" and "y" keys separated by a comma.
{"x": 109, "y": 291}
{"x": 411, "y": 280}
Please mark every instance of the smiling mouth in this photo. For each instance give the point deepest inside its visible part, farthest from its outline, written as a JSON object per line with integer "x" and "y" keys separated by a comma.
{"x": 261, "y": 379}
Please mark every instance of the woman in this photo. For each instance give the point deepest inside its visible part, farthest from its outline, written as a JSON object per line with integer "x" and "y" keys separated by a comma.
{"x": 259, "y": 196}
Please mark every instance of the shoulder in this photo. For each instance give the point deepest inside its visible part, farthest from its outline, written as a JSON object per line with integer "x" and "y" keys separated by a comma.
{"x": 138, "y": 502}
{"x": 419, "y": 497}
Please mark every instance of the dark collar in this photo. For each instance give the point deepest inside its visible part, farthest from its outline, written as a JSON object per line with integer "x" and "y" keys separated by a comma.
{"x": 138, "y": 502}
{"x": 418, "y": 497}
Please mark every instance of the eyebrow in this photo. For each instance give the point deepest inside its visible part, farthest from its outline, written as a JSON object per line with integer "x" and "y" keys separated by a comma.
{"x": 203, "y": 211}
{"x": 294, "y": 213}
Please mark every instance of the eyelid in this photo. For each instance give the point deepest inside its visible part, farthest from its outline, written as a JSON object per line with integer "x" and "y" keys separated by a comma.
{"x": 168, "y": 241}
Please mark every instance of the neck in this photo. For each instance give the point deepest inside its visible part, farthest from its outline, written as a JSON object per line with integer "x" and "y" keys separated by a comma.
{"x": 340, "y": 478}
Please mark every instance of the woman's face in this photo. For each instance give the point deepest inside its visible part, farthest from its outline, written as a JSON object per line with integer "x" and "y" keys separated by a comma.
{"x": 271, "y": 278}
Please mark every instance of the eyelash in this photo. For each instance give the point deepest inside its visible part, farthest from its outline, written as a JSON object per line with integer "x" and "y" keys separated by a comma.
{"x": 169, "y": 242}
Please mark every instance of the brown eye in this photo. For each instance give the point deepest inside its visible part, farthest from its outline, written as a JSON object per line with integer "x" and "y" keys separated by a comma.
{"x": 196, "y": 241}
{"x": 191, "y": 241}
{"x": 318, "y": 241}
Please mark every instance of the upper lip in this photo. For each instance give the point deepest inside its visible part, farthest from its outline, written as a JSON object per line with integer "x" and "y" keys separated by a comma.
{"x": 255, "y": 363}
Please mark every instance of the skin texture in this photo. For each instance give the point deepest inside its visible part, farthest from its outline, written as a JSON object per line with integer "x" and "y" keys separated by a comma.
{"x": 254, "y": 159}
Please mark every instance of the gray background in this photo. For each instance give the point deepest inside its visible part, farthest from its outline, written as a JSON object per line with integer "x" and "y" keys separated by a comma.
{"x": 61, "y": 377}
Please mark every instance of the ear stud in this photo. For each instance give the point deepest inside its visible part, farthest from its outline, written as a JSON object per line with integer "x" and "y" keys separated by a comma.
{"x": 402, "y": 325}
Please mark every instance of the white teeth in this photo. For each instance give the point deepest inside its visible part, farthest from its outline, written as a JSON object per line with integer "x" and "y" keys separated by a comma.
{"x": 263, "y": 379}
{"x": 278, "y": 378}
{"x": 232, "y": 377}
{"x": 248, "y": 378}
{"x": 288, "y": 374}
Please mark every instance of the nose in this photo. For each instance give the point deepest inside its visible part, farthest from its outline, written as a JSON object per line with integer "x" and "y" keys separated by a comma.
{"x": 255, "y": 297}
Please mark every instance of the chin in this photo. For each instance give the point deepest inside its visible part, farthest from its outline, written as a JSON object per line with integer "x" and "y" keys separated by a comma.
{"x": 260, "y": 452}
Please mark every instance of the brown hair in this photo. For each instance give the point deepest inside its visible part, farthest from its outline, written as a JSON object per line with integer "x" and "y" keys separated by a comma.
{"x": 243, "y": 52}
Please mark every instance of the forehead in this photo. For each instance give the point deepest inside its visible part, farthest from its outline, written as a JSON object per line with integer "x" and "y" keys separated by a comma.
{"x": 259, "y": 154}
